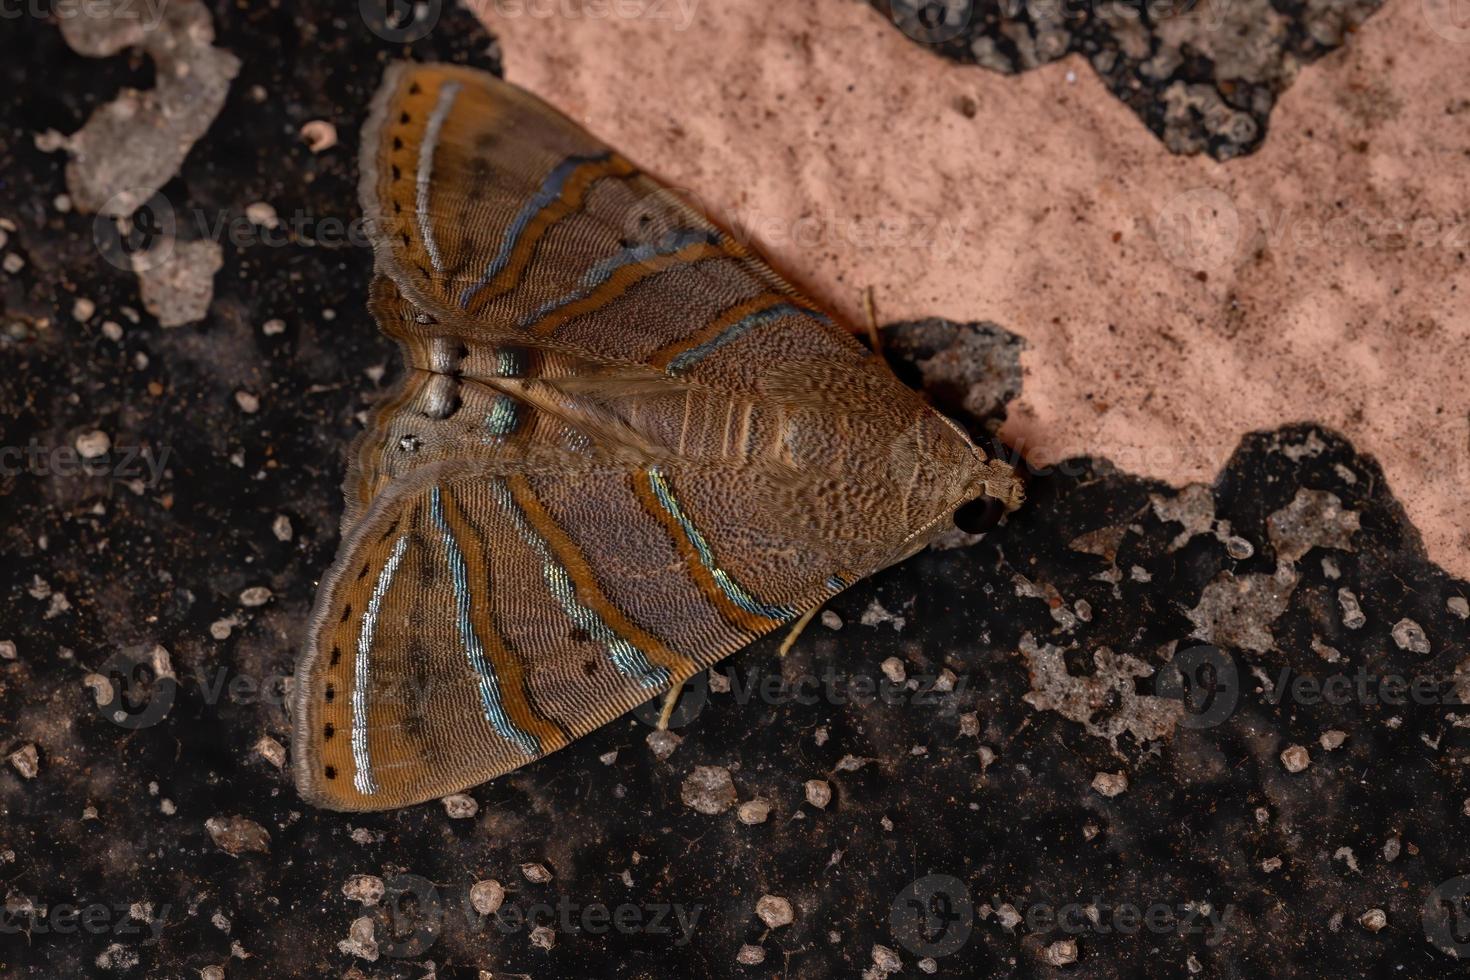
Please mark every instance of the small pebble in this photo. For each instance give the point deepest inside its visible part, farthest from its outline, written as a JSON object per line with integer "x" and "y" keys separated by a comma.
{"x": 82, "y": 310}
{"x": 1352, "y": 613}
{"x": 319, "y": 135}
{"x": 893, "y": 669}
{"x": 750, "y": 955}
{"x": 487, "y": 896}
{"x": 272, "y": 328}
{"x": 543, "y": 937}
{"x": 93, "y": 444}
{"x": 281, "y": 528}
{"x": 7, "y": 649}
{"x": 1295, "y": 758}
{"x": 818, "y": 793}
{"x": 1061, "y": 953}
{"x": 1458, "y": 605}
{"x": 1110, "y": 783}
{"x": 26, "y": 761}
{"x": 1373, "y": 920}
{"x": 360, "y": 941}
{"x": 834, "y": 622}
{"x": 775, "y": 911}
{"x": 272, "y": 751}
{"x": 1271, "y": 864}
{"x": 663, "y": 743}
{"x": 112, "y": 330}
{"x": 1239, "y": 548}
{"x": 708, "y": 790}
{"x": 886, "y": 959}
{"x": 1332, "y": 739}
{"x": 1409, "y": 636}
{"x": 367, "y": 889}
{"x": 248, "y": 403}
{"x": 536, "y": 874}
{"x": 256, "y": 595}
{"x": 752, "y": 812}
{"x": 262, "y": 213}
{"x": 236, "y": 835}
{"x": 460, "y": 806}
{"x": 13, "y": 263}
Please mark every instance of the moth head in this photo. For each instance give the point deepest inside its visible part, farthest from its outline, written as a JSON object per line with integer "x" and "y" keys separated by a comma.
{"x": 996, "y": 491}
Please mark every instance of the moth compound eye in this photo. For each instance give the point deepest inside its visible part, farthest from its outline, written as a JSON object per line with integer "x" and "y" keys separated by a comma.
{"x": 979, "y": 515}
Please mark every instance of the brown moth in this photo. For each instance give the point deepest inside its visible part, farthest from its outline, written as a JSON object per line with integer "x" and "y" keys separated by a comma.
{"x": 623, "y": 448}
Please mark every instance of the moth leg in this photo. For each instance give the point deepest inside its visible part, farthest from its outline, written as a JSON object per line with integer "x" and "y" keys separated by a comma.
{"x": 670, "y": 699}
{"x": 872, "y": 317}
{"x": 806, "y": 617}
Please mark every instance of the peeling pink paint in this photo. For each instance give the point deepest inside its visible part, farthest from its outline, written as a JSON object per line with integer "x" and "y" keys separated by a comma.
{"x": 1053, "y": 212}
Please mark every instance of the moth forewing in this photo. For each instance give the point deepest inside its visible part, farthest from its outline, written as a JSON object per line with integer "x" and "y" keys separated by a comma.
{"x": 623, "y": 448}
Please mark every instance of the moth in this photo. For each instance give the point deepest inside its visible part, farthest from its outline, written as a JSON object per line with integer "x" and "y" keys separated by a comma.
{"x": 622, "y": 448}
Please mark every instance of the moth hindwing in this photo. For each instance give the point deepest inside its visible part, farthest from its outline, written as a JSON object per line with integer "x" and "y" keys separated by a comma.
{"x": 621, "y": 449}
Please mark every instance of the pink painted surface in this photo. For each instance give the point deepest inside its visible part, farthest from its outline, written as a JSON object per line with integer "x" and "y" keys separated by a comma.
{"x": 1335, "y": 277}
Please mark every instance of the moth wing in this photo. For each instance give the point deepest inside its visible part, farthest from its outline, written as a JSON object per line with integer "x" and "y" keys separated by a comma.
{"x": 502, "y": 219}
{"x": 504, "y": 404}
{"x": 482, "y": 616}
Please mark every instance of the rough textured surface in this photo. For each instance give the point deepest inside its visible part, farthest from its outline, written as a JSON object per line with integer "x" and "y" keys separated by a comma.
{"x": 1203, "y": 75}
{"x": 1169, "y": 304}
{"x": 148, "y": 828}
{"x": 130, "y": 147}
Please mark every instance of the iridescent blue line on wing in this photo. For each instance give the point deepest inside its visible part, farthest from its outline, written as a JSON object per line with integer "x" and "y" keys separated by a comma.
{"x": 727, "y": 585}
{"x": 627, "y": 658}
{"x": 489, "y": 685}
{"x": 600, "y": 273}
{"x": 550, "y": 190}
{"x": 736, "y": 330}
{"x": 362, "y": 779}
